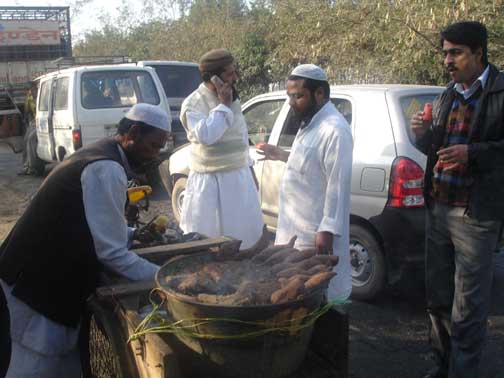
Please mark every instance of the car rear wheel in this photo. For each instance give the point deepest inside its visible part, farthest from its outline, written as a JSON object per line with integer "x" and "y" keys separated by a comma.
{"x": 177, "y": 197}
{"x": 368, "y": 263}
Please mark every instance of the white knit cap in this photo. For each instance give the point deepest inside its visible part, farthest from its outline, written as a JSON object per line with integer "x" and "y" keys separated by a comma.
{"x": 310, "y": 71}
{"x": 150, "y": 115}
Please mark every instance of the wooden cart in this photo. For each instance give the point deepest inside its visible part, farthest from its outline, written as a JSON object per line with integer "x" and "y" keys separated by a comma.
{"x": 114, "y": 313}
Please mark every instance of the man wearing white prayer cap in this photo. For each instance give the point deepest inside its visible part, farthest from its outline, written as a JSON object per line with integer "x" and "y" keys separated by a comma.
{"x": 314, "y": 201}
{"x": 73, "y": 227}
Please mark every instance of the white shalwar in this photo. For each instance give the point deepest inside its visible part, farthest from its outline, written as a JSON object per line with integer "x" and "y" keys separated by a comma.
{"x": 42, "y": 348}
{"x": 223, "y": 202}
{"x": 315, "y": 191}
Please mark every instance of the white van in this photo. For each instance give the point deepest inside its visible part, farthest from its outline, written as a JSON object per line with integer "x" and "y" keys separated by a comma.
{"x": 78, "y": 106}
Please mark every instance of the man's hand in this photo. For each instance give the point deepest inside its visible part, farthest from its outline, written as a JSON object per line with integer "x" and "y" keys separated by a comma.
{"x": 418, "y": 125}
{"x": 454, "y": 156}
{"x": 324, "y": 243}
{"x": 271, "y": 152}
{"x": 225, "y": 94}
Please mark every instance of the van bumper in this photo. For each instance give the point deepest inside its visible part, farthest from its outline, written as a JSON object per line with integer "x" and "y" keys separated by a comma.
{"x": 403, "y": 236}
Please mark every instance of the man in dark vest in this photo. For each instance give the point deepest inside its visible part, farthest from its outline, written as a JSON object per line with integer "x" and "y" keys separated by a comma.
{"x": 49, "y": 262}
{"x": 464, "y": 193}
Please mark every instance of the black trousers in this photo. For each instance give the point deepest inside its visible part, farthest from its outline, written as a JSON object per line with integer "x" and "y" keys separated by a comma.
{"x": 459, "y": 272}
{"x": 5, "y": 340}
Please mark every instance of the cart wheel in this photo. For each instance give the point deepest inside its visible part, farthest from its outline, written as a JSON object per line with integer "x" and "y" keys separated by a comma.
{"x": 109, "y": 355}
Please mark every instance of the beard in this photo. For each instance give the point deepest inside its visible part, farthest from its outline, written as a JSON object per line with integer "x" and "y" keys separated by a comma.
{"x": 308, "y": 113}
{"x": 236, "y": 95}
{"x": 137, "y": 165}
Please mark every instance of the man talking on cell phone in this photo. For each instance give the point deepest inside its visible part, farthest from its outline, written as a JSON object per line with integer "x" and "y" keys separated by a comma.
{"x": 221, "y": 197}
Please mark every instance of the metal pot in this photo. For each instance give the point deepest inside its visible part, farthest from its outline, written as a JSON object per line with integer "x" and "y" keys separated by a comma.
{"x": 272, "y": 355}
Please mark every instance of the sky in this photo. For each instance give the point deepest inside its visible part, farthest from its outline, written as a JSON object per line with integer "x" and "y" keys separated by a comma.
{"x": 86, "y": 19}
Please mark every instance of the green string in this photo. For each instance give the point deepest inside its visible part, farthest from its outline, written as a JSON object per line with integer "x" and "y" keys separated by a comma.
{"x": 189, "y": 327}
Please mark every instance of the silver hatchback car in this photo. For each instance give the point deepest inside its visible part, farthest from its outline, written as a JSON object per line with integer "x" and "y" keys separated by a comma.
{"x": 387, "y": 206}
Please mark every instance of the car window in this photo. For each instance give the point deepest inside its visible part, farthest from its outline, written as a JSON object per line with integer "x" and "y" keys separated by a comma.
{"x": 289, "y": 130}
{"x": 260, "y": 119}
{"x": 412, "y": 104}
{"x": 344, "y": 107}
{"x": 44, "y": 97}
{"x": 113, "y": 89}
{"x": 291, "y": 125}
{"x": 61, "y": 94}
{"x": 178, "y": 81}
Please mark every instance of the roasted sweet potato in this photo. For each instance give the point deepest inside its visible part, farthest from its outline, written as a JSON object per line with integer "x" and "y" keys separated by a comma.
{"x": 318, "y": 279}
{"x": 289, "y": 272}
{"x": 259, "y": 246}
{"x": 289, "y": 292}
{"x": 266, "y": 253}
{"x": 318, "y": 268}
{"x": 284, "y": 281}
{"x": 300, "y": 255}
{"x": 329, "y": 260}
{"x": 279, "y": 256}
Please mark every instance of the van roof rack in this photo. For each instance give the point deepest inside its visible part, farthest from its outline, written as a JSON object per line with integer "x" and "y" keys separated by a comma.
{"x": 68, "y": 62}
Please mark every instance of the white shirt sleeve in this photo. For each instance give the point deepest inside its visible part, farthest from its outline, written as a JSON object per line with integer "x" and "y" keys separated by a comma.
{"x": 104, "y": 186}
{"x": 337, "y": 163}
{"x": 209, "y": 129}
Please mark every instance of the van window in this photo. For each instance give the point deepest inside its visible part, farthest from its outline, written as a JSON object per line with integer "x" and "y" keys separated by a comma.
{"x": 44, "y": 97}
{"x": 291, "y": 124}
{"x": 61, "y": 94}
{"x": 260, "y": 119}
{"x": 115, "y": 89}
{"x": 178, "y": 81}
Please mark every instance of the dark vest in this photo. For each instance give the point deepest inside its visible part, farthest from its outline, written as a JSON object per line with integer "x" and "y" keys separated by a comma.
{"x": 49, "y": 255}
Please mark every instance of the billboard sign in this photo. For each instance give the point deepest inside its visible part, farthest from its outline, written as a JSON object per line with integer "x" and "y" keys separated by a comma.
{"x": 29, "y": 32}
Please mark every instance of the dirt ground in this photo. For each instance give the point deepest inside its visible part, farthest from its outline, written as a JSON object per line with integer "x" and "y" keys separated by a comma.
{"x": 15, "y": 191}
{"x": 388, "y": 337}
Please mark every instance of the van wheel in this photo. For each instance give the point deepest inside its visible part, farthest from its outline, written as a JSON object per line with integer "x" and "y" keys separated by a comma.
{"x": 37, "y": 165}
{"x": 368, "y": 264}
{"x": 177, "y": 197}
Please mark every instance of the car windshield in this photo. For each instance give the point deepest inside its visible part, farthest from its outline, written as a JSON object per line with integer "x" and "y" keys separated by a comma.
{"x": 178, "y": 81}
{"x": 412, "y": 104}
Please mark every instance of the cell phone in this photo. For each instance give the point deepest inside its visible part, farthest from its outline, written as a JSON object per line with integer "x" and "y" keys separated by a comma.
{"x": 217, "y": 81}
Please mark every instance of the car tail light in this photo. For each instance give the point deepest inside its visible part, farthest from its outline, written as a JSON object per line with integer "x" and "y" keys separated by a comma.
{"x": 406, "y": 184}
{"x": 76, "y": 139}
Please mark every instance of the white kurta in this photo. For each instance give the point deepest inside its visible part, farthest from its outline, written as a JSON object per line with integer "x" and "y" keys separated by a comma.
{"x": 42, "y": 348}
{"x": 315, "y": 191}
{"x": 220, "y": 203}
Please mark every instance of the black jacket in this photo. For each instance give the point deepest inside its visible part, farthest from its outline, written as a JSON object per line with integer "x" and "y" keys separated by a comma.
{"x": 49, "y": 256}
{"x": 486, "y": 147}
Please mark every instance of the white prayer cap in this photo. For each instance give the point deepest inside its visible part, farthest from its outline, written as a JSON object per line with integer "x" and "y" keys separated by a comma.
{"x": 150, "y": 115}
{"x": 310, "y": 71}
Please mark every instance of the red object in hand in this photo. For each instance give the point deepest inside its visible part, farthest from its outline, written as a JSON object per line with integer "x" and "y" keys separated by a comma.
{"x": 427, "y": 112}
{"x": 260, "y": 145}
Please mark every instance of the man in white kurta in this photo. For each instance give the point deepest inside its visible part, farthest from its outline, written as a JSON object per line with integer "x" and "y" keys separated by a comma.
{"x": 221, "y": 197}
{"x": 314, "y": 201}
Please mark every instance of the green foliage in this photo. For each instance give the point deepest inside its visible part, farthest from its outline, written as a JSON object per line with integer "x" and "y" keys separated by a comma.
{"x": 395, "y": 41}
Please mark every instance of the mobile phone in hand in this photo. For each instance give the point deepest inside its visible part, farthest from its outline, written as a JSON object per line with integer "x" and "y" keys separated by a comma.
{"x": 217, "y": 81}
